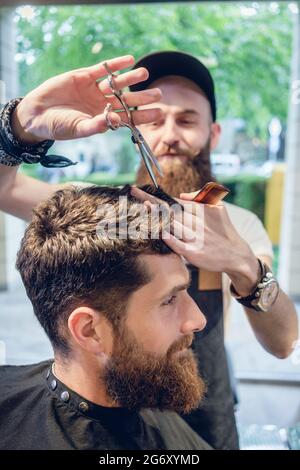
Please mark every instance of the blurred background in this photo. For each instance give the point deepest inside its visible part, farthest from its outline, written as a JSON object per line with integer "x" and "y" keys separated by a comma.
{"x": 252, "y": 50}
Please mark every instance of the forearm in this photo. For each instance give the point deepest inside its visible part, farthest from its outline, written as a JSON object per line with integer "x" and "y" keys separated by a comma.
{"x": 7, "y": 180}
{"x": 20, "y": 194}
{"x": 277, "y": 329}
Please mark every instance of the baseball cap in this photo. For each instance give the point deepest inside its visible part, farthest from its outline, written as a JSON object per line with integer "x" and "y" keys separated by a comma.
{"x": 163, "y": 63}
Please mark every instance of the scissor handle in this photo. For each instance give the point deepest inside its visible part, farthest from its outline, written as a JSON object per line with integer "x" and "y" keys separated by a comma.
{"x": 136, "y": 136}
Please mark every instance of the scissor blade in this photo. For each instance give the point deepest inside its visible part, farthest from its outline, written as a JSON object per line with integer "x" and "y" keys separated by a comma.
{"x": 144, "y": 151}
{"x": 153, "y": 159}
{"x": 150, "y": 154}
{"x": 148, "y": 166}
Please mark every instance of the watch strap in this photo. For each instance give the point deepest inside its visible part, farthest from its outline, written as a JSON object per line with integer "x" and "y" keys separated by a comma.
{"x": 248, "y": 301}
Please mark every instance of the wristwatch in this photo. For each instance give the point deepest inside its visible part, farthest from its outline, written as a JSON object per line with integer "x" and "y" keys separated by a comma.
{"x": 264, "y": 294}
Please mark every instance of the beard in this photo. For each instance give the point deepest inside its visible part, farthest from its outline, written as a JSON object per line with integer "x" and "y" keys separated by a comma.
{"x": 180, "y": 176}
{"x": 136, "y": 379}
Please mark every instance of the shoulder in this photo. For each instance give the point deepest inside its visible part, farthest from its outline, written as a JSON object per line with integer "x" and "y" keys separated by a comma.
{"x": 22, "y": 406}
{"x": 239, "y": 214}
{"x": 177, "y": 434}
{"x": 17, "y": 379}
{"x": 251, "y": 229}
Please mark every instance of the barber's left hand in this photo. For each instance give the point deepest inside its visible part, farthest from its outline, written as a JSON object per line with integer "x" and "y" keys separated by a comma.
{"x": 205, "y": 236}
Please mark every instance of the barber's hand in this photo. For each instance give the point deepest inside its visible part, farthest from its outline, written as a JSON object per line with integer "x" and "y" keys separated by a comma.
{"x": 205, "y": 236}
{"x": 71, "y": 105}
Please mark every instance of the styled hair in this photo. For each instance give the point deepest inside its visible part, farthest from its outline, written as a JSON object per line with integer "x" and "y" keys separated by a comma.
{"x": 65, "y": 262}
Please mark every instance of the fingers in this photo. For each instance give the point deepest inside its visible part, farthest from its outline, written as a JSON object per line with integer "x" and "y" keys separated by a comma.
{"x": 196, "y": 208}
{"x": 191, "y": 250}
{"x": 153, "y": 202}
{"x": 190, "y": 207}
{"x": 143, "y": 116}
{"x": 98, "y": 124}
{"x": 137, "y": 98}
{"x": 188, "y": 239}
{"x": 95, "y": 125}
{"x": 124, "y": 80}
{"x": 98, "y": 71}
{"x": 188, "y": 196}
{"x": 183, "y": 232}
{"x": 189, "y": 220}
{"x": 143, "y": 196}
{"x": 176, "y": 245}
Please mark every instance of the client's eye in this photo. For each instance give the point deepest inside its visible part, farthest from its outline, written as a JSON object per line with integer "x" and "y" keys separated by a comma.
{"x": 170, "y": 300}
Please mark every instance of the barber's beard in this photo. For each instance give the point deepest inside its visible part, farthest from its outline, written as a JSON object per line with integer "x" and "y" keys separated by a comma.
{"x": 137, "y": 379}
{"x": 180, "y": 176}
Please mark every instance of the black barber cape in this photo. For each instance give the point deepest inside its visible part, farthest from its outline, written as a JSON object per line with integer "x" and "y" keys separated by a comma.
{"x": 37, "y": 411}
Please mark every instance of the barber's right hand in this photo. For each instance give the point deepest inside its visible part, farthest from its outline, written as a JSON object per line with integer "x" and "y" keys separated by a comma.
{"x": 71, "y": 105}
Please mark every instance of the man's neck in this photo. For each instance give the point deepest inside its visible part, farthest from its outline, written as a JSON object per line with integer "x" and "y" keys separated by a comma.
{"x": 84, "y": 379}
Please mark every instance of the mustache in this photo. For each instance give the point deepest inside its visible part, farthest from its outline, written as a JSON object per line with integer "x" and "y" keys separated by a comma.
{"x": 174, "y": 150}
{"x": 184, "y": 342}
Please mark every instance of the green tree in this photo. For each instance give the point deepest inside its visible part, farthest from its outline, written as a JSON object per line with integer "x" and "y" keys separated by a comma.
{"x": 247, "y": 47}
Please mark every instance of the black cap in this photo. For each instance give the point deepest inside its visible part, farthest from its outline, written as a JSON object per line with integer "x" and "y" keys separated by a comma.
{"x": 163, "y": 63}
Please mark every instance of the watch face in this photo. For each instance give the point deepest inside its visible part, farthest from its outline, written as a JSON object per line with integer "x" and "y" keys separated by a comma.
{"x": 268, "y": 294}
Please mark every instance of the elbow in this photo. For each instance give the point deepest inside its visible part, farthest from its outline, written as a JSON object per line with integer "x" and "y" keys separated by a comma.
{"x": 284, "y": 351}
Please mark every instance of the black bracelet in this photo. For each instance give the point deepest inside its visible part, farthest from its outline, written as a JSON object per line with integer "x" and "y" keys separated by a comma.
{"x": 13, "y": 152}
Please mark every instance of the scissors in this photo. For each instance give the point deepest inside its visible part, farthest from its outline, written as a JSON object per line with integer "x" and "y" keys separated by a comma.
{"x": 136, "y": 136}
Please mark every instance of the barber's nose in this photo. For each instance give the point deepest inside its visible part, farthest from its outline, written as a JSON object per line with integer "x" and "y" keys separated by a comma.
{"x": 194, "y": 320}
{"x": 170, "y": 133}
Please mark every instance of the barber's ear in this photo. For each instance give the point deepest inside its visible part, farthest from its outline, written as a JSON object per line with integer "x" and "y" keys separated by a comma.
{"x": 215, "y": 130}
{"x": 89, "y": 330}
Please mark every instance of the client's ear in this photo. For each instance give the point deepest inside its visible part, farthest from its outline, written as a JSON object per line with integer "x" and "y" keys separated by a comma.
{"x": 215, "y": 135}
{"x": 91, "y": 331}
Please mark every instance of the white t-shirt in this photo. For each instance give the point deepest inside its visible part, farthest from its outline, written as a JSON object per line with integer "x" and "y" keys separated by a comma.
{"x": 251, "y": 229}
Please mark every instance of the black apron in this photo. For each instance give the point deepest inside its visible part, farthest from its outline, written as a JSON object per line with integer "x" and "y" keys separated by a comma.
{"x": 214, "y": 420}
